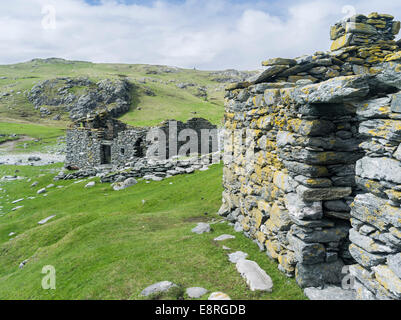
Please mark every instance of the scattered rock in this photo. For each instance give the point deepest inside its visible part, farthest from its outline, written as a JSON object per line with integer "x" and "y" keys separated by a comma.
{"x": 90, "y": 184}
{"x": 124, "y": 185}
{"x": 201, "y": 228}
{"x": 41, "y": 191}
{"x": 237, "y": 256}
{"x": 224, "y": 237}
{"x": 159, "y": 287}
{"x": 256, "y": 278}
{"x": 196, "y": 292}
{"x": 46, "y": 220}
{"x": 23, "y": 263}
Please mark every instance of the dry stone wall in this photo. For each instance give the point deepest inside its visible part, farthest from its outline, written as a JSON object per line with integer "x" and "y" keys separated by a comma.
{"x": 312, "y": 160}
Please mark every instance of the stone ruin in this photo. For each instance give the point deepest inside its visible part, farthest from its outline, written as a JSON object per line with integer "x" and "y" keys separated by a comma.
{"x": 100, "y": 140}
{"x": 312, "y": 160}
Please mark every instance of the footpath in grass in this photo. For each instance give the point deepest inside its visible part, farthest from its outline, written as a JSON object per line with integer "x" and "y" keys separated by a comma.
{"x": 43, "y": 136}
{"x": 107, "y": 244}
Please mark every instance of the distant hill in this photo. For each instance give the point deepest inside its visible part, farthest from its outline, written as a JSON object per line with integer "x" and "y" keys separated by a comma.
{"x": 54, "y": 90}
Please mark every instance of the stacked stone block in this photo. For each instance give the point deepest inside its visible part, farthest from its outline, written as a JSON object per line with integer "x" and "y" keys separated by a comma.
{"x": 301, "y": 152}
{"x": 376, "y": 213}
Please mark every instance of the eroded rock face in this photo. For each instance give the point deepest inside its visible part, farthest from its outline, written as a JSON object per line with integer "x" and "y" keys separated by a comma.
{"x": 81, "y": 96}
{"x": 312, "y": 172}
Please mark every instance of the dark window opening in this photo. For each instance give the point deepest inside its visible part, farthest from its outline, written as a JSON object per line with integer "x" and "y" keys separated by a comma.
{"x": 122, "y": 151}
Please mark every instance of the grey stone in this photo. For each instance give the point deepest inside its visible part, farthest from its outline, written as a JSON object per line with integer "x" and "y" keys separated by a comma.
{"x": 375, "y": 211}
{"x": 238, "y": 227}
{"x": 196, "y": 292}
{"x": 362, "y": 293}
{"x": 375, "y": 108}
{"x": 390, "y": 75}
{"x": 332, "y": 91}
{"x": 314, "y": 183}
{"x": 159, "y": 287}
{"x": 396, "y": 103}
{"x": 365, "y": 258}
{"x": 306, "y": 169}
{"x": 201, "y": 228}
{"x": 316, "y": 275}
{"x": 256, "y": 278}
{"x": 41, "y": 191}
{"x": 330, "y": 293}
{"x": 46, "y": 220}
{"x": 368, "y": 243}
{"x": 236, "y": 256}
{"x": 397, "y": 153}
{"x": 307, "y": 253}
{"x": 279, "y": 61}
{"x": 267, "y": 74}
{"x": 394, "y": 263}
{"x": 325, "y": 235}
{"x": 23, "y": 263}
{"x": 382, "y": 128}
{"x": 386, "y": 277}
{"x": 124, "y": 185}
{"x": 319, "y": 194}
{"x": 90, "y": 184}
{"x": 337, "y": 205}
{"x": 224, "y": 237}
{"x": 301, "y": 209}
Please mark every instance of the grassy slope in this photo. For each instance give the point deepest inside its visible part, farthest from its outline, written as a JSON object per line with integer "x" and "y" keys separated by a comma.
{"x": 170, "y": 102}
{"x": 44, "y": 135}
{"x": 109, "y": 245}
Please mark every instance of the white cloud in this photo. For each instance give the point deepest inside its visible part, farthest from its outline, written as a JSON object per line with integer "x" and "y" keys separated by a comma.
{"x": 207, "y": 34}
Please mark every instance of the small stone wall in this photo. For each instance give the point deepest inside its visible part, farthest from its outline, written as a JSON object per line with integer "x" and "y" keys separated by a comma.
{"x": 312, "y": 160}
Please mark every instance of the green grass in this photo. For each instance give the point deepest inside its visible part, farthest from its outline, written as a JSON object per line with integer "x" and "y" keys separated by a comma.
{"x": 169, "y": 102}
{"x": 110, "y": 245}
{"x": 43, "y": 135}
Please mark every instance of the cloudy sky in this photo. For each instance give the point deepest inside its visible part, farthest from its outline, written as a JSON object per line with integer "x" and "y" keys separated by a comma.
{"x": 206, "y": 34}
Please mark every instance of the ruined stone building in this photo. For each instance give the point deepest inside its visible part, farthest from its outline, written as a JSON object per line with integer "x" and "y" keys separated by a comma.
{"x": 312, "y": 163}
{"x": 102, "y": 140}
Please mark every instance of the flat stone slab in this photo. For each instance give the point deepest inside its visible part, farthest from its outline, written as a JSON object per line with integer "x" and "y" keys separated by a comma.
{"x": 330, "y": 293}
{"x": 201, "y": 228}
{"x": 224, "y": 237}
{"x": 45, "y": 220}
{"x": 196, "y": 292}
{"x": 256, "y": 278}
{"x": 159, "y": 287}
{"x": 237, "y": 256}
{"x": 219, "y": 296}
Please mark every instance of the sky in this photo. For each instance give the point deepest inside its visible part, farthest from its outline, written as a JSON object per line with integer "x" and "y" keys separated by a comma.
{"x": 205, "y": 34}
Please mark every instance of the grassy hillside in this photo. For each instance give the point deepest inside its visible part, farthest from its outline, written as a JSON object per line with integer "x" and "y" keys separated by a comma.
{"x": 111, "y": 245}
{"x": 169, "y": 100}
{"x": 41, "y": 136}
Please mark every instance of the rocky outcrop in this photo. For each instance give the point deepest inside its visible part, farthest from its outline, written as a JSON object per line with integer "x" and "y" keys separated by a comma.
{"x": 312, "y": 160}
{"x": 81, "y": 96}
